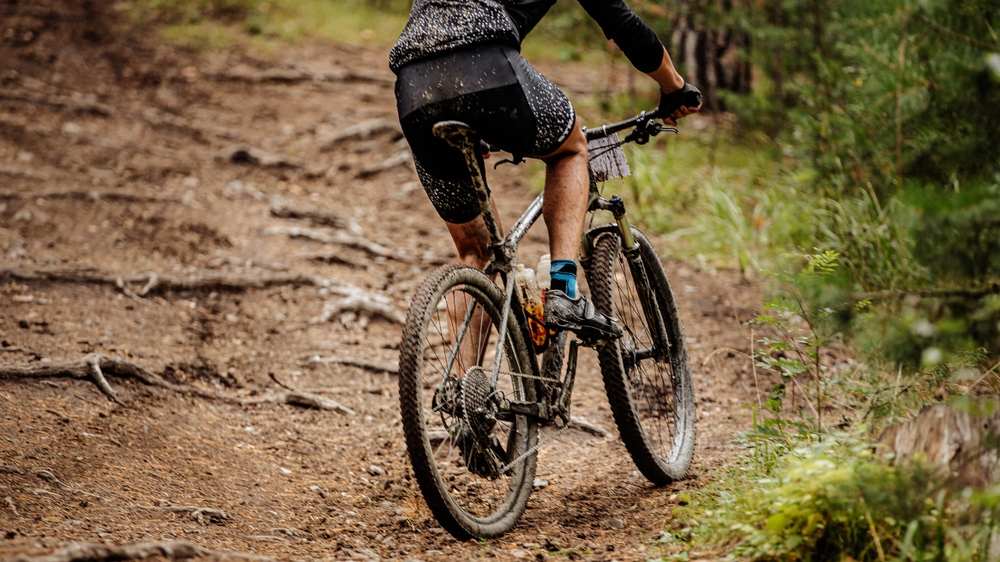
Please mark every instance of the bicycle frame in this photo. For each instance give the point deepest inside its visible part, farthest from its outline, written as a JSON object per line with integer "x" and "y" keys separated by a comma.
{"x": 504, "y": 256}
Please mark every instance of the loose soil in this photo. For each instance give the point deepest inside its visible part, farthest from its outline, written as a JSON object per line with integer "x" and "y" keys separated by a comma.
{"x": 204, "y": 147}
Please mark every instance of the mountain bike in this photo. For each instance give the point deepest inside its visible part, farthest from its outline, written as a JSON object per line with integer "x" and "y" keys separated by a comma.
{"x": 476, "y": 382}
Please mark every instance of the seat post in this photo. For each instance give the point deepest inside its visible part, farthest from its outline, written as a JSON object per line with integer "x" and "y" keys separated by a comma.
{"x": 462, "y": 137}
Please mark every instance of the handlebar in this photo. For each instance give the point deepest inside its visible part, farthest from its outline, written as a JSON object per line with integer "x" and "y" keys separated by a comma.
{"x": 643, "y": 126}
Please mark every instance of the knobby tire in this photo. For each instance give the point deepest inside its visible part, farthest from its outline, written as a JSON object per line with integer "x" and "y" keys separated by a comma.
{"x": 651, "y": 394}
{"x": 466, "y": 503}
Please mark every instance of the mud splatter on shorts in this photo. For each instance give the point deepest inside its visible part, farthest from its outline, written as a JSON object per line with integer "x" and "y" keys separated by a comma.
{"x": 493, "y": 89}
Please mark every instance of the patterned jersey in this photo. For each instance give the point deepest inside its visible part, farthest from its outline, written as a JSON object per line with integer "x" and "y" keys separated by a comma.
{"x": 440, "y": 26}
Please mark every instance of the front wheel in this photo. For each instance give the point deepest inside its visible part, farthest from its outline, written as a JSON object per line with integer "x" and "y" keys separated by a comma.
{"x": 475, "y": 464}
{"x": 646, "y": 373}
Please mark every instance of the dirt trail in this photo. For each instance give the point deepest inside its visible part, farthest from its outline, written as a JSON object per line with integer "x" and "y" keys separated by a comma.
{"x": 123, "y": 160}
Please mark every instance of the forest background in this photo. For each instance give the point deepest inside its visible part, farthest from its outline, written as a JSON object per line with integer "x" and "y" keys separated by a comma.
{"x": 851, "y": 157}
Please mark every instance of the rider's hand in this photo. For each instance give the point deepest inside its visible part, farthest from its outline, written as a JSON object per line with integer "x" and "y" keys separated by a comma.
{"x": 679, "y": 103}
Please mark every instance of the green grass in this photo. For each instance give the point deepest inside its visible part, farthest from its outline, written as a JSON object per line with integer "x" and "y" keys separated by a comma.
{"x": 206, "y": 25}
{"x": 716, "y": 199}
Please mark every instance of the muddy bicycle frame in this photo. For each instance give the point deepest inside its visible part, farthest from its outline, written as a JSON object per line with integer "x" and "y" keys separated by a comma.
{"x": 552, "y": 406}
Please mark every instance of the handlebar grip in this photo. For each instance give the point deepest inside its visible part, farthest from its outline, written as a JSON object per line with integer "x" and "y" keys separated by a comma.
{"x": 688, "y": 96}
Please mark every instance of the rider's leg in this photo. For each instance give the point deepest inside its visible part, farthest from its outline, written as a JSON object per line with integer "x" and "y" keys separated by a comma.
{"x": 472, "y": 240}
{"x": 566, "y": 191}
{"x": 567, "y": 183}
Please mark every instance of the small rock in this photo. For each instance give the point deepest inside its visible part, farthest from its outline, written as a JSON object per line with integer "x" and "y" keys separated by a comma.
{"x": 616, "y": 523}
{"x": 519, "y": 553}
{"x": 539, "y": 483}
{"x": 72, "y": 129}
{"x": 376, "y": 470}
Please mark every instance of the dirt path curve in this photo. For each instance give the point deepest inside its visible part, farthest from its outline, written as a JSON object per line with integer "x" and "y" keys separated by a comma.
{"x": 151, "y": 166}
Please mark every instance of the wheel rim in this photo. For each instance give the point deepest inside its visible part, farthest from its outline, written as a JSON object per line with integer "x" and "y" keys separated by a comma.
{"x": 649, "y": 372}
{"x": 468, "y": 448}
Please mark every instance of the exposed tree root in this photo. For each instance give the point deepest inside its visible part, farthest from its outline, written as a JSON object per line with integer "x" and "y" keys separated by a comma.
{"x": 283, "y": 210}
{"x": 153, "y": 283}
{"x": 377, "y": 366}
{"x": 171, "y": 550}
{"x": 297, "y": 75}
{"x": 10, "y": 504}
{"x": 92, "y": 367}
{"x": 92, "y": 194}
{"x": 375, "y": 305}
{"x": 159, "y": 118}
{"x": 354, "y": 298}
{"x": 330, "y": 257}
{"x": 336, "y": 237}
{"x": 399, "y": 159}
{"x": 50, "y": 477}
{"x": 200, "y": 514}
{"x": 23, "y": 173}
{"x": 83, "y": 105}
{"x": 246, "y": 154}
{"x": 360, "y": 131}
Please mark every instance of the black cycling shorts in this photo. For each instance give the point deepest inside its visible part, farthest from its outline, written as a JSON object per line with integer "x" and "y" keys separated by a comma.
{"x": 494, "y": 90}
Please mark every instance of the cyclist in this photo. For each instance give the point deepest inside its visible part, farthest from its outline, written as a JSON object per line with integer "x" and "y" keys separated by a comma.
{"x": 460, "y": 60}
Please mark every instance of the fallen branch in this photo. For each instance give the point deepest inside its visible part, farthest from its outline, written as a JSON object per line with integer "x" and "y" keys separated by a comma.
{"x": 282, "y": 210}
{"x": 377, "y": 366}
{"x": 199, "y": 514}
{"x": 303, "y": 399}
{"x": 336, "y": 237}
{"x": 171, "y": 550}
{"x": 587, "y": 427}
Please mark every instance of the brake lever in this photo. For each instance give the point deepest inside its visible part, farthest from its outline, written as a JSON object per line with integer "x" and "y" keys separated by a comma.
{"x": 641, "y": 133}
{"x": 656, "y": 129}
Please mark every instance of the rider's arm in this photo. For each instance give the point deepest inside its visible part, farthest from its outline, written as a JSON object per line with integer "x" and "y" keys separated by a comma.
{"x": 641, "y": 46}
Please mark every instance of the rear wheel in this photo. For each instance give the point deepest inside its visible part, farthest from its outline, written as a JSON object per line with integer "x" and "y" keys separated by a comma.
{"x": 471, "y": 460}
{"x": 646, "y": 373}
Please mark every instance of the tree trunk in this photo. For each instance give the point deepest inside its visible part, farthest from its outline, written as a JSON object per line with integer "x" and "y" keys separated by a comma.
{"x": 962, "y": 440}
{"x": 710, "y": 56}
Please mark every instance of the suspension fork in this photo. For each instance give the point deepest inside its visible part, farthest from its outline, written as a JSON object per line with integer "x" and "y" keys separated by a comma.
{"x": 633, "y": 255}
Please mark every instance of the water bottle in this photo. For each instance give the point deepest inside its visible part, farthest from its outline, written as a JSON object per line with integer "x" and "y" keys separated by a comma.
{"x": 531, "y": 298}
{"x": 543, "y": 275}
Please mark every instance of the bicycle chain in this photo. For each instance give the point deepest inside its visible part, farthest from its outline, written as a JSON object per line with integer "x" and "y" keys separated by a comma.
{"x": 533, "y": 450}
{"x": 503, "y": 469}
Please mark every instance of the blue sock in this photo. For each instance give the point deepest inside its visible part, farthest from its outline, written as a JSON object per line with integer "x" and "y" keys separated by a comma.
{"x": 563, "y": 274}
